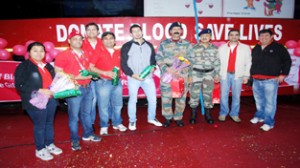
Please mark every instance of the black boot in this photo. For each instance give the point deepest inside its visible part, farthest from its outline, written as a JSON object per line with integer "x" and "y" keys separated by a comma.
{"x": 193, "y": 116}
{"x": 167, "y": 123}
{"x": 208, "y": 117}
{"x": 179, "y": 123}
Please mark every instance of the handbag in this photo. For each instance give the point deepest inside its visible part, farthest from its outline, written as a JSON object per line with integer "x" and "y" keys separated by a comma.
{"x": 177, "y": 87}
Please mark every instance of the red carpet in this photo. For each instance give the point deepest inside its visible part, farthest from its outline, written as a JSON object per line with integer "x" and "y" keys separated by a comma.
{"x": 225, "y": 144}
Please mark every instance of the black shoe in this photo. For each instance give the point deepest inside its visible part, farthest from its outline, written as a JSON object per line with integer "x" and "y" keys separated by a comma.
{"x": 208, "y": 117}
{"x": 193, "y": 120}
{"x": 179, "y": 123}
{"x": 193, "y": 116}
{"x": 167, "y": 123}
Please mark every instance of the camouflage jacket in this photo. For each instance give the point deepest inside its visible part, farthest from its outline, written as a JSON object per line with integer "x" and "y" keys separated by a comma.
{"x": 205, "y": 58}
{"x": 169, "y": 49}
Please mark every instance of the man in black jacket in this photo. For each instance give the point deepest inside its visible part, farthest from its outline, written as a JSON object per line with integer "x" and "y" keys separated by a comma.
{"x": 136, "y": 55}
{"x": 271, "y": 63}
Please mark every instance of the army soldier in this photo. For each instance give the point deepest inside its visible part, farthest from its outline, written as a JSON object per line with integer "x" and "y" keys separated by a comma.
{"x": 205, "y": 71}
{"x": 168, "y": 49}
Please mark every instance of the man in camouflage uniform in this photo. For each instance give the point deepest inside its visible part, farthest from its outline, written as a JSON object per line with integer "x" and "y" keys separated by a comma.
{"x": 205, "y": 71}
{"x": 168, "y": 49}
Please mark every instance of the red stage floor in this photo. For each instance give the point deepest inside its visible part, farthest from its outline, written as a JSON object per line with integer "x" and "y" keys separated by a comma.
{"x": 220, "y": 145}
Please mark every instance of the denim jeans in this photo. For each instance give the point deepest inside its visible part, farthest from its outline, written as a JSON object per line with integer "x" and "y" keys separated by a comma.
{"x": 265, "y": 95}
{"x": 235, "y": 85}
{"x": 80, "y": 107}
{"x": 149, "y": 89}
{"x": 94, "y": 102}
{"x": 109, "y": 99}
{"x": 43, "y": 125}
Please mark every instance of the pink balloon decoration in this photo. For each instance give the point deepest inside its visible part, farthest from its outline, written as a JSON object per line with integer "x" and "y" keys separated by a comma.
{"x": 4, "y": 54}
{"x": 298, "y": 43}
{"x": 291, "y": 44}
{"x": 3, "y": 43}
{"x": 297, "y": 51}
{"x": 19, "y": 49}
{"x": 48, "y": 46}
{"x": 26, "y": 56}
{"x": 54, "y": 52}
{"x": 48, "y": 58}
{"x": 28, "y": 42}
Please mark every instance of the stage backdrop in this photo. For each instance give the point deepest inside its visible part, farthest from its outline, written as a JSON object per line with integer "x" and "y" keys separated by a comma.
{"x": 55, "y": 31}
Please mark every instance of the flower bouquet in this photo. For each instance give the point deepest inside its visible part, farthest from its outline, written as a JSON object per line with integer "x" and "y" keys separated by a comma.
{"x": 179, "y": 63}
{"x": 62, "y": 86}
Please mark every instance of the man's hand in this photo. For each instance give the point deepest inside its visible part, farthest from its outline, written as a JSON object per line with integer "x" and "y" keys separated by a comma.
{"x": 111, "y": 74}
{"x": 171, "y": 70}
{"x": 245, "y": 80}
{"x": 80, "y": 77}
{"x": 137, "y": 77}
{"x": 216, "y": 79}
{"x": 280, "y": 78}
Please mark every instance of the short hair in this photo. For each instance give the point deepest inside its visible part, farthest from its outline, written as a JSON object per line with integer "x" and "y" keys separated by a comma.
{"x": 265, "y": 31}
{"x": 134, "y": 26}
{"x": 108, "y": 33}
{"x": 91, "y": 24}
{"x": 35, "y": 44}
{"x": 234, "y": 30}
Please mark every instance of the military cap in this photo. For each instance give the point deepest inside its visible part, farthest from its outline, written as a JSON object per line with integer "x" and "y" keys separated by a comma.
{"x": 205, "y": 31}
{"x": 175, "y": 24}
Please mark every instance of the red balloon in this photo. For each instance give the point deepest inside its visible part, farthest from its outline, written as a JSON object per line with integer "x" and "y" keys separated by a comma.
{"x": 48, "y": 46}
{"x": 298, "y": 43}
{"x": 291, "y": 44}
{"x": 4, "y": 54}
{"x": 48, "y": 58}
{"x": 19, "y": 49}
{"x": 28, "y": 42}
{"x": 297, "y": 51}
{"x": 3, "y": 43}
{"x": 54, "y": 52}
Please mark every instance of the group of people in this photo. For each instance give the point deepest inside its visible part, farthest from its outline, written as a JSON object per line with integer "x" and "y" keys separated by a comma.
{"x": 231, "y": 64}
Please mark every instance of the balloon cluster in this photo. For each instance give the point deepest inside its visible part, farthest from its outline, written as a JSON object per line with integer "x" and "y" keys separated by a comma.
{"x": 4, "y": 54}
{"x": 21, "y": 50}
{"x": 292, "y": 44}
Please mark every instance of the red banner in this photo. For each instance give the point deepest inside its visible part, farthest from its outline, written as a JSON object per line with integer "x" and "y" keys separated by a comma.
{"x": 7, "y": 83}
{"x": 155, "y": 29}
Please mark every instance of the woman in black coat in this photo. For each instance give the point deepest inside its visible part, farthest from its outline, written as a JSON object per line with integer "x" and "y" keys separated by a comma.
{"x": 35, "y": 75}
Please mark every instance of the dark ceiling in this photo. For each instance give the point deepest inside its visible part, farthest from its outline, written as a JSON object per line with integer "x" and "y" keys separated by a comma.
{"x": 22, "y": 9}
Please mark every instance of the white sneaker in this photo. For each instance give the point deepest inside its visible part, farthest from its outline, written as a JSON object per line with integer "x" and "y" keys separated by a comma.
{"x": 120, "y": 127}
{"x": 103, "y": 131}
{"x": 256, "y": 120}
{"x": 266, "y": 127}
{"x": 132, "y": 126}
{"x": 53, "y": 149}
{"x": 43, "y": 154}
{"x": 155, "y": 122}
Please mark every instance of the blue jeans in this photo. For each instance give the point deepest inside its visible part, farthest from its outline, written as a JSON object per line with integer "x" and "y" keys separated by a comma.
{"x": 265, "y": 95}
{"x": 149, "y": 89}
{"x": 94, "y": 102}
{"x": 43, "y": 124}
{"x": 109, "y": 99}
{"x": 236, "y": 86}
{"x": 80, "y": 107}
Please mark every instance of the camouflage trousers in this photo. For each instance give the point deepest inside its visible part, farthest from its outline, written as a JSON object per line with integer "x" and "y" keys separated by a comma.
{"x": 166, "y": 98}
{"x": 206, "y": 84}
